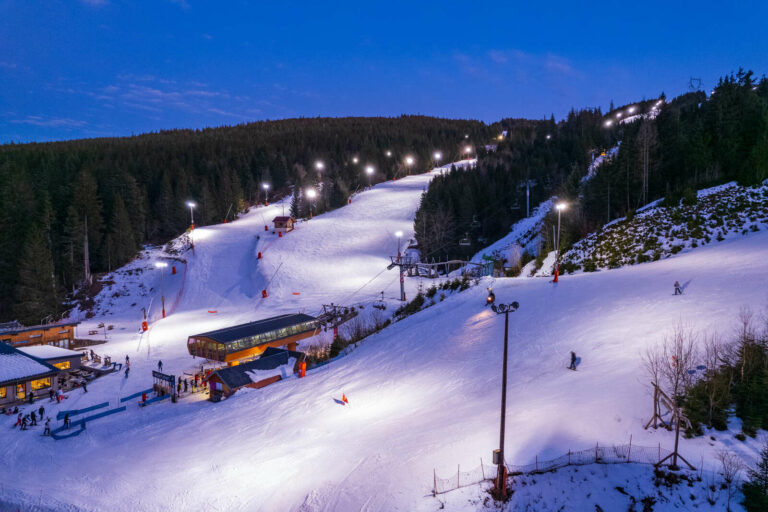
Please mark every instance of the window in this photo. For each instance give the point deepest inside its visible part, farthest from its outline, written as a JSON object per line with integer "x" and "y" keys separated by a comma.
{"x": 21, "y": 391}
{"x": 64, "y": 365}
{"x": 41, "y": 383}
{"x": 3, "y": 393}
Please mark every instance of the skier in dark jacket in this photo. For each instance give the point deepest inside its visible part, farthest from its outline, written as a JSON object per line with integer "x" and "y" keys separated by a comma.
{"x": 85, "y": 388}
{"x": 66, "y": 420}
{"x": 33, "y": 419}
{"x": 41, "y": 412}
{"x": 678, "y": 290}
{"x": 573, "y": 361}
{"x": 159, "y": 366}
{"x": 127, "y": 369}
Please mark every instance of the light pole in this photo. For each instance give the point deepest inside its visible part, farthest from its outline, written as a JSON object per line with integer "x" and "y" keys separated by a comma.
{"x": 437, "y": 156}
{"x": 369, "y": 170}
{"x": 560, "y": 207}
{"x": 467, "y": 150}
{"x": 505, "y": 309}
{"x": 161, "y": 265}
{"x": 319, "y": 166}
{"x": 355, "y": 160}
{"x": 389, "y": 154}
{"x": 399, "y": 235}
{"x": 311, "y": 194}
{"x": 409, "y": 162}
{"x": 192, "y": 205}
{"x": 265, "y": 186}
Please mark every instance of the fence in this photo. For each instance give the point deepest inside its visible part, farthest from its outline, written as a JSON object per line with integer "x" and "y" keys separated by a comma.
{"x": 615, "y": 454}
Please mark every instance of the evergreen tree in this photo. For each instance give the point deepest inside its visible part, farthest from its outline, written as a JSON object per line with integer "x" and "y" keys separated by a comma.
{"x": 123, "y": 242}
{"x": 35, "y": 291}
{"x": 756, "y": 489}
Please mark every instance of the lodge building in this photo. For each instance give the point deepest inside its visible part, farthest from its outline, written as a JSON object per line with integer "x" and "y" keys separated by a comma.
{"x": 22, "y": 375}
{"x": 232, "y": 344}
{"x": 59, "y": 335}
{"x": 274, "y": 364}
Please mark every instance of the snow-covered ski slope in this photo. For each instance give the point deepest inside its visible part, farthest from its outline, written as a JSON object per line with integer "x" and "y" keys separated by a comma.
{"x": 424, "y": 393}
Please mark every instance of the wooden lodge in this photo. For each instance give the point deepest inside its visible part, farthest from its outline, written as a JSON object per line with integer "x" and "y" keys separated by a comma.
{"x": 22, "y": 375}
{"x": 232, "y": 344}
{"x": 59, "y": 335}
{"x": 283, "y": 224}
{"x": 274, "y": 364}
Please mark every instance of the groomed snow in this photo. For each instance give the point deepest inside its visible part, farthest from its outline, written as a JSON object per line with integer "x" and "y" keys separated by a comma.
{"x": 423, "y": 394}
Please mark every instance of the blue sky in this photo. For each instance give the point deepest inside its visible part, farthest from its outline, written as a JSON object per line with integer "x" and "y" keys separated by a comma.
{"x": 77, "y": 68}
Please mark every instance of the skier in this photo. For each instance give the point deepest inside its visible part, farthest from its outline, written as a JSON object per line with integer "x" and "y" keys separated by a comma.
{"x": 18, "y": 421}
{"x": 47, "y": 430}
{"x": 85, "y": 388}
{"x": 186, "y": 385}
{"x": 127, "y": 360}
{"x": 24, "y": 423}
{"x": 41, "y": 412}
{"x": 573, "y": 361}
{"x": 33, "y": 419}
{"x": 127, "y": 369}
{"x": 678, "y": 290}
{"x": 143, "y": 398}
{"x": 51, "y": 394}
{"x": 31, "y": 398}
{"x": 60, "y": 397}
{"x": 66, "y": 421}
{"x": 159, "y": 366}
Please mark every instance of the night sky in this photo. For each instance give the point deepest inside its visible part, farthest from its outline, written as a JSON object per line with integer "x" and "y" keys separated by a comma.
{"x": 71, "y": 69}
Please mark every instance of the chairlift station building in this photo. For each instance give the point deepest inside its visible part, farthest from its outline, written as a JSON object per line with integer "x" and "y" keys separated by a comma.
{"x": 232, "y": 344}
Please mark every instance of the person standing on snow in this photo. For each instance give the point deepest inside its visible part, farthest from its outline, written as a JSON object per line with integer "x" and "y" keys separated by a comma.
{"x": 678, "y": 290}
{"x": 573, "y": 361}
{"x": 66, "y": 421}
{"x": 47, "y": 430}
{"x": 160, "y": 366}
{"x": 85, "y": 388}
{"x": 41, "y": 412}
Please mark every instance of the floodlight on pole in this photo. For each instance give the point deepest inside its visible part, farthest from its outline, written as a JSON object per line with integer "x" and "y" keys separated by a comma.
{"x": 389, "y": 154}
{"x": 191, "y": 205}
{"x": 265, "y": 186}
{"x": 399, "y": 235}
{"x": 355, "y": 160}
{"x": 162, "y": 265}
{"x": 409, "y": 162}
{"x": 311, "y": 194}
{"x": 559, "y": 207}
{"x": 437, "y": 156}
{"x": 369, "y": 170}
{"x": 501, "y": 475}
{"x": 467, "y": 150}
{"x": 319, "y": 165}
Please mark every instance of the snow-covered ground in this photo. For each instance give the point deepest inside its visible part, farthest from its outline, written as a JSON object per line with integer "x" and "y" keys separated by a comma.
{"x": 423, "y": 393}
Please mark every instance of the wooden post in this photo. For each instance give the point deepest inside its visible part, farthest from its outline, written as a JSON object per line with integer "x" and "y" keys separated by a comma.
{"x": 434, "y": 488}
{"x": 629, "y": 452}
{"x": 482, "y": 470}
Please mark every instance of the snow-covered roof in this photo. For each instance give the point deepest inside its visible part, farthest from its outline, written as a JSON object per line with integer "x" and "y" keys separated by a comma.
{"x": 15, "y": 365}
{"x": 15, "y": 327}
{"x": 48, "y": 351}
{"x": 243, "y": 374}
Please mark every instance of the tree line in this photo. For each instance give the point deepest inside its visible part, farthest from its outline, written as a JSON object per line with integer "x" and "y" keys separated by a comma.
{"x": 668, "y": 149}
{"x": 119, "y": 194}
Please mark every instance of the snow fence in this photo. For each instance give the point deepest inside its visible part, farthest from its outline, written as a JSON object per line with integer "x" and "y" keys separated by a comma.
{"x": 615, "y": 454}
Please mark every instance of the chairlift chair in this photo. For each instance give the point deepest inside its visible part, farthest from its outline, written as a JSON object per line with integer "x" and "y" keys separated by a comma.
{"x": 465, "y": 242}
{"x": 476, "y": 224}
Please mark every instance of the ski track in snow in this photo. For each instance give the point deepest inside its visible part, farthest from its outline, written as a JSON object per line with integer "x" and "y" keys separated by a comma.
{"x": 424, "y": 393}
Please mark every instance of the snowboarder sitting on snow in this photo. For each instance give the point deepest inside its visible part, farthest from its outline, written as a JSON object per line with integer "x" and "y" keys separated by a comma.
{"x": 678, "y": 290}
{"x": 573, "y": 361}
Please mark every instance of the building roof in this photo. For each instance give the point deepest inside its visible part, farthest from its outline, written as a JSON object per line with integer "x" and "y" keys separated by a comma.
{"x": 282, "y": 218}
{"x": 238, "y": 332}
{"x": 49, "y": 352}
{"x": 272, "y": 359}
{"x": 16, "y": 328}
{"x": 16, "y": 366}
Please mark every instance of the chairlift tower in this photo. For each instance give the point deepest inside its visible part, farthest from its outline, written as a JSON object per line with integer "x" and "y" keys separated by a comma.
{"x": 334, "y": 315}
{"x": 404, "y": 263}
{"x": 528, "y": 184}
